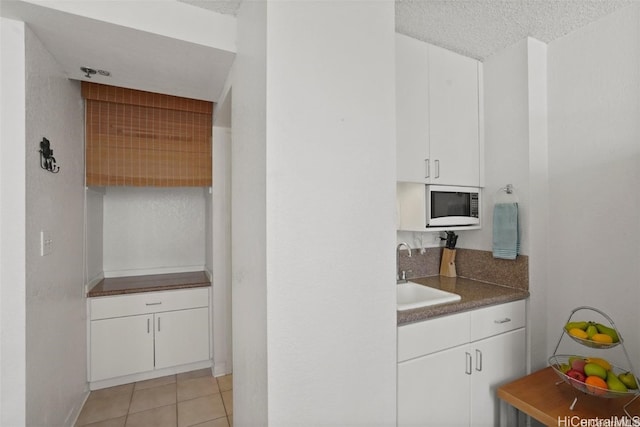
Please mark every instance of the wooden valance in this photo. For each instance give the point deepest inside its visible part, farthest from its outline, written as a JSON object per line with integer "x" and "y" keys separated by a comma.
{"x": 137, "y": 138}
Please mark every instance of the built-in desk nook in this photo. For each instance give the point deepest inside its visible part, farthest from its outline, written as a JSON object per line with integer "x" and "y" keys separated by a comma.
{"x": 143, "y": 327}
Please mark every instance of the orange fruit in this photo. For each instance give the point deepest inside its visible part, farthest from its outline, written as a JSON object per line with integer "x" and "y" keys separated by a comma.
{"x": 596, "y": 385}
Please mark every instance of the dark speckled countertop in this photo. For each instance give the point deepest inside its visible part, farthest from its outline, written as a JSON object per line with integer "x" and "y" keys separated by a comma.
{"x": 149, "y": 283}
{"x": 474, "y": 295}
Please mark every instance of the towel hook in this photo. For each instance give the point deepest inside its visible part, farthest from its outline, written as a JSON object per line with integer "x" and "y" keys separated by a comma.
{"x": 506, "y": 194}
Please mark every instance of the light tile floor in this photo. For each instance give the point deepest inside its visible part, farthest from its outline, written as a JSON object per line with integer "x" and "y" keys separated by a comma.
{"x": 190, "y": 399}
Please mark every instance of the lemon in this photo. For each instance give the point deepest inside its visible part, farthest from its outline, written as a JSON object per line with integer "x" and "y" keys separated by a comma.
{"x": 600, "y": 361}
{"x": 602, "y": 338}
{"x": 579, "y": 333}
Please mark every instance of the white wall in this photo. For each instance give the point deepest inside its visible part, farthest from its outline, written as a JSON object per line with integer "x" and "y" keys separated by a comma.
{"x": 220, "y": 255}
{"x": 248, "y": 224}
{"x": 331, "y": 315}
{"x": 506, "y": 112}
{"x": 515, "y": 100}
{"x": 12, "y": 224}
{"x": 55, "y": 304}
{"x": 537, "y": 209}
{"x": 153, "y": 230}
{"x": 594, "y": 173}
{"x": 313, "y": 136}
{"x": 94, "y": 223}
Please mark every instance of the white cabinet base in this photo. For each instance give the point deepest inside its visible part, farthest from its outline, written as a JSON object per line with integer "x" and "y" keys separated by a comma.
{"x": 450, "y": 367}
{"x": 147, "y": 335}
{"x": 157, "y": 373}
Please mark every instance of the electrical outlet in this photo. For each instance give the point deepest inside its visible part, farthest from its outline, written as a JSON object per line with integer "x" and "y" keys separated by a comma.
{"x": 46, "y": 243}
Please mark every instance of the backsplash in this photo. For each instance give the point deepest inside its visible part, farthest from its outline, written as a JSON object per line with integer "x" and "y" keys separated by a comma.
{"x": 421, "y": 265}
{"x": 471, "y": 264}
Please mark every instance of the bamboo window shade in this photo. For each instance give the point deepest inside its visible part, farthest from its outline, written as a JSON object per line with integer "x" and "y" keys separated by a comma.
{"x": 137, "y": 138}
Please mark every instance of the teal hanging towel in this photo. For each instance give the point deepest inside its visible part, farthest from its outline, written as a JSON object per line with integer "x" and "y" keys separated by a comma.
{"x": 506, "y": 232}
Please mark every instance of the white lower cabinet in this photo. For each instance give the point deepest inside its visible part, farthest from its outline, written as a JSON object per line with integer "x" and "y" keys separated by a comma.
{"x": 454, "y": 383}
{"x": 121, "y": 346}
{"x": 181, "y": 337}
{"x": 433, "y": 390}
{"x": 496, "y": 360}
{"x": 138, "y": 333}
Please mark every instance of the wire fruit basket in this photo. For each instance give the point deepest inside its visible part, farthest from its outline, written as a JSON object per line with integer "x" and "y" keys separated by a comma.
{"x": 560, "y": 361}
{"x": 594, "y": 344}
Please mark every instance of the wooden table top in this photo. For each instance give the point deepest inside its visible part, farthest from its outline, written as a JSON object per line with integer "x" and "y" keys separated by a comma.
{"x": 538, "y": 396}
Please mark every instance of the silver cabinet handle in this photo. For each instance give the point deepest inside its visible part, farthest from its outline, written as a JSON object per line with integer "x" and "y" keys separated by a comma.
{"x": 426, "y": 168}
{"x": 148, "y": 327}
{"x": 500, "y": 321}
{"x": 158, "y": 324}
{"x": 437, "y": 163}
{"x": 153, "y": 303}
{"x": 467, "y": 368}
{"x": 478, "y": 360}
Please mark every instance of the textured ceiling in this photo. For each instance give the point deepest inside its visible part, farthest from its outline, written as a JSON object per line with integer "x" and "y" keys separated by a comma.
{"x": 479, "y": 28}
{"x": 154, "y": 59}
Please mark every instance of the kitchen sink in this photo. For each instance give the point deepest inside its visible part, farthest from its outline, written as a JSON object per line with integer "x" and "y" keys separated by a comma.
{"x": 414, "y": 295}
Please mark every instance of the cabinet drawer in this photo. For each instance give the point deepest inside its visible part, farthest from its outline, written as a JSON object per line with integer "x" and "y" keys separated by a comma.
{"x": 497, "y": 319}
{"x": 418, "y": 339}
{"x": 147, "y": 302}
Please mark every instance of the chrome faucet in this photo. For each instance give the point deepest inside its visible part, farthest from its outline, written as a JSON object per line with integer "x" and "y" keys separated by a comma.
{"x": 402, "y": 274}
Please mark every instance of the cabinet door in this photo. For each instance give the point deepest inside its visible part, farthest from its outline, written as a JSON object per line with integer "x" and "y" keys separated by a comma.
{"x": 497, "y": 360}
{"x": 181, "y": 337}
{"x": 453, "y": 118}
{"x": 121, "y": 346}
{"x": 412, "y": 109}
{"x": 433, "y": 390}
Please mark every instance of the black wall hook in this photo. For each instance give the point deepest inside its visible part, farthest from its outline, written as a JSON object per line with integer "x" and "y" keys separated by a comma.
{"x": 47, "y": 161}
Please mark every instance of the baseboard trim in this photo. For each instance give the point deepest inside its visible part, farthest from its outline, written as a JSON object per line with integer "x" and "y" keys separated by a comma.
{"x": 111, "y": 382}
{"x": 75, "y": 413}
{"x": 221, "y": 369}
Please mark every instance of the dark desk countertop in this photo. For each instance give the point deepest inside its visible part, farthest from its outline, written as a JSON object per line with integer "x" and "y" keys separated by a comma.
{"x": 149, "y": 283}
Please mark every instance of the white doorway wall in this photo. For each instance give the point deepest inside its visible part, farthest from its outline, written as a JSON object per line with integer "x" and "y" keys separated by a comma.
{"x": 220, "y": 238}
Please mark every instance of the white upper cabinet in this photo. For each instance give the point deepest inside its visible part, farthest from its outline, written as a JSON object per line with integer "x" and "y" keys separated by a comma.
{"x": 412, "y": 109}
{"x": 454, "y": 118}
{"x": 437, "y": 115}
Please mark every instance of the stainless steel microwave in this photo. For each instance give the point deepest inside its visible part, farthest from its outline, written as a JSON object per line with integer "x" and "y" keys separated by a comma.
{"x": 448, "y": 206}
